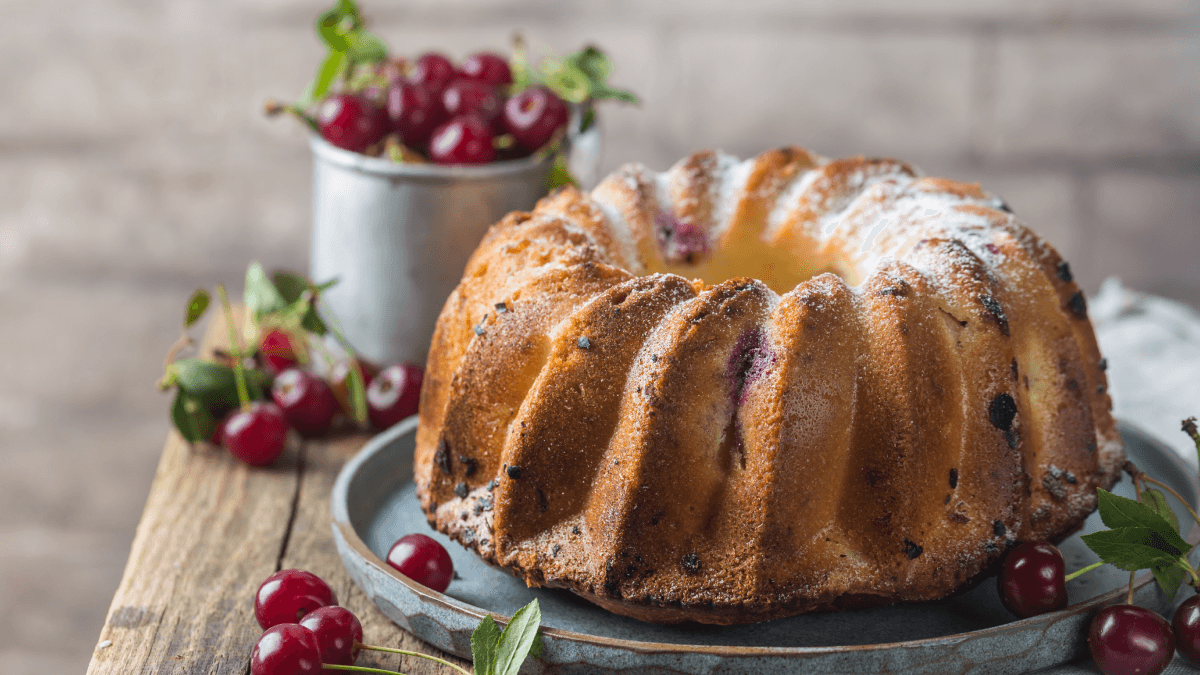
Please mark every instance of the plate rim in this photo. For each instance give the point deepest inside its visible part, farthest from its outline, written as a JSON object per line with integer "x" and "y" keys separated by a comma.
{"x": 340, "y": 521}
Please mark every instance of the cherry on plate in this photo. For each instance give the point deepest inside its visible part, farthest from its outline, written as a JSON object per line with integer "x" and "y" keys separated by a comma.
{"x": 276, "y": 350}
{"x": 1130, "y": 639}
{"x": 394, "y": 394}
{"x": 256, "y": 435}
{"x": 1033, "y": 580}
{"x": 288, "y": 595}
{"x": 286, "y": 649}
{"x": 462, "y": 140}
{"x": 414, "y": 113}
{"x": 351, "y": 122}
{"x": 472, "y": 97}
{"x": 432, "y": 71}
{"x": 423, "y": 560}
{"x": 533, "y": 116}
{"x": 487, "y": 67}
{"x": 1186, "y": 624}
{"x": 307, "y": 402}
{"x": 338, "y": 632}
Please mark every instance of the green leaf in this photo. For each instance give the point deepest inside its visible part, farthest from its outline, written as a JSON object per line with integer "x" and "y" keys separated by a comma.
{"x": 358, "y": 394}
{"x": 290, "y": 285}
{"x": 593, "y": 62}
{"x": 1169, "y": 577}
{"x": 603, "y": 91}
{"x": 366, "y": 47}
{"x": 329, "y": 29}
{"x": 333, "y": 65}
{"x": 196, "y": 306}
{"x": 568, "y": 82}
{"x": 191, "y": 417}
{"x": 212, "y": 383}
{"x": 326, "y": 285}
{"x": 560, "y": 174}
{"x": 313, "y": 323}
{"x": 518, "y": 638}
{"x": 261, "y": 295}
{"x": 1117, "y": 511}
{"x": 1131, "y": 548}
{"x": 483, "y": 646}
{"x": 1158, "y": 501}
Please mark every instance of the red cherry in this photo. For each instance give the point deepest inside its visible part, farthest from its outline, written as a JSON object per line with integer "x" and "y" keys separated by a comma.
{"x": 414, "y": 113}
{"x": 287, "y": 595}
{"x": 307, "y": 402}
{"x": 256, "y": 435}
{"x": 423, "y": 560}
{"x": 276, "y": 349}
{"x": 534, "y": 115}
{"x": 286, "y": 649}
{"x": 487, "y": 67}
{"x": 394, "y": 394}
{"x": 1186, "y": 623}
{"x": 351, "y": 122}
{"x": 392, "y": 69}
{"x": 473, "y": 97}
{"x": 462, "y": 140}
{"x": 1032, "y": 580}
{"x": 433, "y": 71}
{"x": 338, "y": 633}
{"x": 1129, "y": 639}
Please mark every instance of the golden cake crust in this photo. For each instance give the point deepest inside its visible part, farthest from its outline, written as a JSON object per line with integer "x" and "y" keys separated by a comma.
{"x": 883, "y": 381}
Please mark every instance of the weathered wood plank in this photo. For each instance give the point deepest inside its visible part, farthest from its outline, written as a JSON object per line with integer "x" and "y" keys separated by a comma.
{"x": 212, "y": 530}
{"x": 311, "y": 547}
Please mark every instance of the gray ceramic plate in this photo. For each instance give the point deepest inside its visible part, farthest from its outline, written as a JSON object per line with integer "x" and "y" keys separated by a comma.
{"x": 373, "y": 503}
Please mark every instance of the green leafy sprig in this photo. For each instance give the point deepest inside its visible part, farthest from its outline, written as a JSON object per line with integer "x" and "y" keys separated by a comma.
{"x": 349, "y": 44}
{"x": 577, "y": 77}
{"x": 492, "y": 652}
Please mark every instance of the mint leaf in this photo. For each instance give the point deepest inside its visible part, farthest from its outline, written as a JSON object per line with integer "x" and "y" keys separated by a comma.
{"x": 192, "y": 418}
{"x": 196, "y": 306}
{"x": 483, "y": 646}
{"x": 1132, "y": 548}
{"x": 1168, "y": 577}
{"x": 261, "y": 295}
{"x": 1120, "y": 512}
{"x": 518, "y": 638}
{"x": 1158, "y": 501}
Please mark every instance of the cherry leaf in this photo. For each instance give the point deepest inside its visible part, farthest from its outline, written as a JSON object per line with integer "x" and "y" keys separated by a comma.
{"x": 518, "y": 638}
{"x": 290, "y": 285}
{"x": 192, "y": 418}
{"x": 483, "y": 646}
{"x": 1168, "y": 577}
{"x": 1132, "y": 548}
{"x": 261, "y": 295}
{"x": 196, "y": 306}
{"x": 1158, "y": 501}
{"x": 1120, "y": 512}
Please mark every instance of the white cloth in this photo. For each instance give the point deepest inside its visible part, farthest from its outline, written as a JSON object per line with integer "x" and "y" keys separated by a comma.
{"x": 1153, "y": 349}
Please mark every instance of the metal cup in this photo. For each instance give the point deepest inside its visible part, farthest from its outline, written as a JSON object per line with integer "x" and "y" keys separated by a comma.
{"x": 397, "y": 237}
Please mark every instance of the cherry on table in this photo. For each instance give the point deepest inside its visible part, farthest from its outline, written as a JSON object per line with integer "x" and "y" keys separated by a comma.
{"x": 414, "y": 113}
{"x": 286, "y": 649}
{"x": 339, "y": 380}
{"x": 276, "y": 349}
{"x": 462, "y": 140}
{"x": 394, "y": 394}
{"x": 487, "y": 67}
{"x": 472, "y": 97}
{"x": 423, "y": 560}
{"x": 1032, "y": 580}
{"x": 351, "y": 122}
{"x": 288, "y": 595}
{"x": 256, "y": 434}
{"x": 338, "y": 632}
{"x": 1130, "y": 639}
{"x": 307, "y": 402}
{"x": 534, "y": 115}
{"x": 432, "y": 71}
{"x": 1186, "y": 624}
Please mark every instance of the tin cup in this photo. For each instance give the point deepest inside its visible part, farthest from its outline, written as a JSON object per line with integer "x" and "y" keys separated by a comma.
{"x": 397, "y": 237}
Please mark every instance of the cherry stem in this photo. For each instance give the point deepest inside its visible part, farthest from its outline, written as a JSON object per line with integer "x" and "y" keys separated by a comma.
{"x": 1168, "y": 488}
{"x": 1189, "y": 428}
{"x": 417, "y": 654}
{"x": 235, "y": 346}
{"x": 359, "y": 669}
{"x": 354, "y": 379}
{"x": 1081, "y": 572}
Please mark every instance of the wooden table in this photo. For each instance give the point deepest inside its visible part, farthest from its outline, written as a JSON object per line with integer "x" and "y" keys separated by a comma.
{"x": 213, "y": 529}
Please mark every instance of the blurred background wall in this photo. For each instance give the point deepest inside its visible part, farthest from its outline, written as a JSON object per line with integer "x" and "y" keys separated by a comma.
{"x": 135, "y": 165}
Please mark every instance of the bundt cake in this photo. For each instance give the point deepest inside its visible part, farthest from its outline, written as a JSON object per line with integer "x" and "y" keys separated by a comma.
{"x": 872, "y": 384}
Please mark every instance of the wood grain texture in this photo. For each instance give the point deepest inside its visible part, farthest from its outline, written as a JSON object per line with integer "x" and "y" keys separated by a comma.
{"x": 212, "y": 530}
